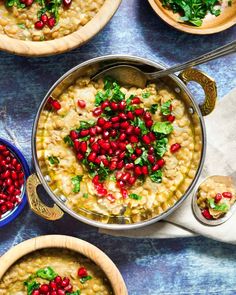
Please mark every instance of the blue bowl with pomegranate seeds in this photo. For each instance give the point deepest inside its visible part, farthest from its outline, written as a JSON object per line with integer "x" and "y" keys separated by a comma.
{"x": 14, "y": 171}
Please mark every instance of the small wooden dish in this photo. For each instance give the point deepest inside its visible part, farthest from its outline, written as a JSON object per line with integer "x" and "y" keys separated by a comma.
{"x": 60, "y": 45}
{"x": 71, "y": 243}
{"x": 211, "y": 24}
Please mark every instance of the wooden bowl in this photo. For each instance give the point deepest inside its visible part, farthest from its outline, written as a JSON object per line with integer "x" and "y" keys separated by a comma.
{"x": 60, "y": 45}
{"x": 210, "y": 25}
{"x": 71, "y": 243}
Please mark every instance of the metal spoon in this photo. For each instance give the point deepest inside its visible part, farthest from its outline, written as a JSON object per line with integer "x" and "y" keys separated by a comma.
{"x": 131, "y": 75}
{"x": 228, "y": 181}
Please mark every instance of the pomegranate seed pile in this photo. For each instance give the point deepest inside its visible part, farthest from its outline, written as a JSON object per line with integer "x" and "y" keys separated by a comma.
{"x": 123, "y": 139}
{"x": 11, "y": 180}
{"x": 56, "y": 284}
{"x": 217, "y": 204}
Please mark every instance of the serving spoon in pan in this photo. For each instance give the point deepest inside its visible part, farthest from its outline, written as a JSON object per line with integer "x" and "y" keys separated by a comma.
{"x": 229, "y": 181}
{"x": 131, "y": 75}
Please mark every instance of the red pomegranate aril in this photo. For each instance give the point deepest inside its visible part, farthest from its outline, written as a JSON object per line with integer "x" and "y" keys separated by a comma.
{"x": 53, "y": 292}
{"x": 28, "y": 2}
{"x": 149, "y": 123}
{"x": 147, "y": 116}
{"x": 83, "y": 147}
{"x": 119, "y": 175}
{"x": 17, "y": 192}
{"x": 44, "y": 288}
{"x": 122, "y": 136}
{"x": 92, "y": 131}
{"x": 132, "y": 180}
{"x": 171, "y": 108}
{"x": 112, "y": 165}
{"x": 114, "y": 106}
{"x": 133, "y": 139}
{"x": 51, "y": 22}
{"x": 138, "y": 151}
{"x": 98, "y": 129}
{"x": 8, "y": 160}
{"x": 39, "y": 25}
{"x": 114, "y": 145}
{"x": 3, "y": 209}
{"x": 105, "y": 104}
{"x": 84, "y": 132}
{"x": 175, "y": 147}
{"x": 73, "y": 135}
{"x": 130, "y": 115}
{"x": 136, "y": 100}
{"x": 113, "y": 133}
{"x": 122, "y": 116}
{"x": 155, "y": 167}
{"x": 10, "y": 189}
{"x": 120, "y": 164}
{"x": 95, "y": 147}
{"x": 82, "y": 272}
{"x": 161, "y": 163}
{"x": 133, "y": 157}
{"x": 122, "y": 105}
{"x": 151, "y": 150}
{"x": 92, "y": 156}
{"x": 170, "y": 118}
{"x": 120, "y": 183}
{"x": 18, "y": 167}
{"x": 129, "y": 166}
{"x": 67, "y": 3}
{"x": 76, "y": 144}
{"x": 218, "y": 198}
{"x": 124, "y": 125}
{"x": 6, "y": 153}
{"x": 58, "y": 280}
{"x": 151, "y": 159}
{"x": 115, "y": 119}
{"x": 138, "y": 170}
{"x": 137, "y": 130}
{"x": 206, "y": 214}
{"x": 138, "y": 112}
{"x": 61, "y": 292}
{"x": 91, "y": 139}
{"x": 68, "y": 288}
{"x": 35, "y": 292}
{"x": 81, "y": 103}
{"x": 97, "y": 112}
{"x": 8, "y": 181}
{"x": 105, "y": 162}
{"x": 124, "y": 193}
{"x": 129, "y": 130}
{"x": 14, "y": 162}
{"x": 145, "y": 170}
{"x": 107, "y": 125}
{"x": 53, "y": 285}
{"x": 80, "y": 156}
{"x": 126, "y": 176}
{"x": 122, "y": 155}
{"x": 2, "y": 148}
{"x": 146, "y": 139}
{"x": 95, "y": 179}
{"x": 6, "y": 174}
{"x": 227, "y": 195}
{"x": 65, "y": 282}
{"x": 17, "y": 184}
{"x": 101, "y": 121}
{"x": 116, "y": 125}
{"x": 102, "y": 192}
{"x": 105, "y": 134}
{"x": 122, "y": 146}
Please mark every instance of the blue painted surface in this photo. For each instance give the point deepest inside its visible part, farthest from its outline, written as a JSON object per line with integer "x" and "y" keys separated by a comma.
{"x": 150, "y": 267}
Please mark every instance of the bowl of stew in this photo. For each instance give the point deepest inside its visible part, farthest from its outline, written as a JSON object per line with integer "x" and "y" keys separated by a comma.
{"x": 117, "y": 156}
{"x": 47, "y": 27}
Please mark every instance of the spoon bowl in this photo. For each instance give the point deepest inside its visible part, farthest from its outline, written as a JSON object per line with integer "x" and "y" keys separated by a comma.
{"x": 228, "y": 181}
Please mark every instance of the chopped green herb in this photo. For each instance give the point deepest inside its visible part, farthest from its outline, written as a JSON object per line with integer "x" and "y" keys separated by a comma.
{"x": 160, "y": 146}
{"x": 222, "y": 207}
{"x": 165, "y": 108}
{"x": 74, "y": 293}
{"x": 68, "y": 140}
{"x": 103, "y": 172}
{"x": 76, "y": 182}
{"x": 156, "y": 176}
{"x": 142, "y": 160}
{"x": 84, "y": 138}
{"x": 140, "y": 123}
{"x": 31, "y": 286}
{"x": 146, "y": 95}
{"x": 85, "y": 279}
{"x": 113, "y": 178}
{"x": 85, "y": 195}
{"x": 46, "y": 273}
{"x": 100, "y": 97}
{"x": 129, "y": 100}
{"x": 163, "y": 127}
{"x": 53, "y": 160}
{"x": 22, "y": 26}
{"x": 135, "y": 197}
{"x": 85, "y": 125}
{"x": 129, "y": 148}
{"x": 17, "y": 3}
{"x": 154, "y": 108}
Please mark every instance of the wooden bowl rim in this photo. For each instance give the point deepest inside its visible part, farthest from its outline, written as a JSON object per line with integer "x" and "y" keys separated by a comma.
{"x": 71, "y": 243}
{"x": 66, "y": 43}
{"x": 190, "y": 30}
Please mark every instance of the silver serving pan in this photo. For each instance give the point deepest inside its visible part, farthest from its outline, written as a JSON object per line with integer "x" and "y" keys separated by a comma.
{"x": 90, "y": 68}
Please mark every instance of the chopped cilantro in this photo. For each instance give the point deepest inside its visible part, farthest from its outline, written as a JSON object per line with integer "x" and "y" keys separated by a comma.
{"x": 142, "y": 160}
{"x": 84, "y": 138}
{"x": 222, "y": 207}
{"x": 160, "y": 146}
{"x": 154, "y": 108}
{"x": 85, "y": 195}
{"x": 140, "y": 123}
{"x": 156, "y": 176}
{"x": 100, "y": 97}
{"x": 163, "y": 127}
{"x": 76, "y": 182}
{"x": 22, "y": 26}
{"x": 53, "y": 160}
{"x": 146, "y": 94}
{"x": 165, "y": 108}
{"x": 31, "y": 286}
{"x": 129, "y": 148}
{"x": 85, "y": 125}
{"x": 46, "y": 273}
{"x": 103, "y": 172}
{"x": 135, "y": 197}
{"x": 74, "y": 293}
{"x": 85, "y": 279}
{"x": 129, "y": 100}
{"x": 113, "y": 178}
{"x": 68, "y": 140}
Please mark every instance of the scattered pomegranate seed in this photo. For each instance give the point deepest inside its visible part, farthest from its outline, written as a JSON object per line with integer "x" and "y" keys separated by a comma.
{"x": 227, "y": 195}
{"x": 51, "y": 22}
{"x": 73, "y": 135}
{"x": 139, "y": 112}
{"x": 170, "y": 118}
{"x": 82, "y": 272}
{"x": 39, "y": 25}
{"x": 161, "y": 163}
{"x": 97, "y": 112}
{"x": 136, "y": 100}
{"x": 44, "y": 18}
{"x": 175, "y": 147}
{"x": 206, "y": 214}
{"x": 81, "y": 103}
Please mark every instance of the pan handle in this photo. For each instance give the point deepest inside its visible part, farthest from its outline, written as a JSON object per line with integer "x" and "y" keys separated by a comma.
{"x": 208, "y": 84}
{"x": 36, "y": 205}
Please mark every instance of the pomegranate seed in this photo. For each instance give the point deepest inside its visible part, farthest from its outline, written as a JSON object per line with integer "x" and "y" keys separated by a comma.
{"x": 2, "y": 147}
{"x": 82, "y": 272}
{"x": 53, "y": 285}
{"x": 65, "y": 282}
{"x": 133, "y": 139}
{"x": 55, "y": 104}
{"x": 126, "y": 176}
{"x": 112, "y": 165}
{"x": 116, "y": 125}
{"x": 119, "y": 175}
{"x": 53, "y": 292}
{"x": 98, "y": 129}
{"x": 161, "y": 163}
{"x": 227, "y": 195}
{"x": 115, "y": 119}
{"x": 80, "y": 156}
{"x": 44, "y": 18}
{"x": 81, "y": 103}
{"x": 84, "y": 133}
{"x": 149, "y": 123}
{"x": 91, "y": 139}
{"x": 122, "y": 136}
{"x": 122, "y": 146}
{"x": 120, "y": 164}
{"x": 92, "y": 131}
{"x": 129, "y": 166}
{"x": 51, "y": 22}
{"x": 171, "y": 107}
{"x": 39, "y": 25}
{"x": 97, "y": 112}
{"x": 105, "y": 134}
{"x": 76, "y": 144}
{"x": 8, "y": 182}
{"x": 175, "y": 147}
{"x": 105, "y": 104}
{"x": 147, "y": 116}
{"x": 155, "y": 167}
{"x": 44, "y": 288}
{"x": 206, "y": 214}
{"x": 138, "y": 170}
{"x": 145, "y": 170}
{"x": 122, "y": 155}
{"x": 218, "y": 198}
{"x": 130, "y": 130}
{"x": 113, "y": 133}
{"x": 122, "y": 105}
{"x": 120, "y": 183}
{"x": 136, "y": 100}
{"x": 83, "y": 147}
{"x": 151, "y": 150}
{"x": 132, "y": 180}
{"x": 95, "y": 179}
{"x": 73, "y": 135}
{"x": 170, "y": 118}
{"x": 107, "y": 125}
{"x": 151, "y": 159}
{"x": 101, "y": 121}
{"x": 130, "y": 115}
{"x": 68, "y": 288}
{"x": 95, "y": 147}
{"x": 122, "y": 116}
{"x": 35, "y": 292}
{"x": 146, "y": 139}
{"x": 28, "y": 2}
{"x": 61, "y": 292}
{"x": 137, "y": 130}
{"x": 138, "y": 151}
{"x": 3, "y": 209}
{"x": 92, "y": 156}
{"x": 138, "y": 112}
{"x": 105, "y": 162}
{"x": 124, "y": 193}
{"x": 102, "y": 192}
{"x": 124, "y": 125}
{"x": 114, "y": 106}
{"x": 133, "y": 157}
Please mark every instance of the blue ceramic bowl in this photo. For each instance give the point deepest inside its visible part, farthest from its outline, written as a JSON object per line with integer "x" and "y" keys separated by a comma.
{"x": 10, "y": 216}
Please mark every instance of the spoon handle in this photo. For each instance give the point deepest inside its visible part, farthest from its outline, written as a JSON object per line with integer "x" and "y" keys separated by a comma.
{"x": 221, "y": 51}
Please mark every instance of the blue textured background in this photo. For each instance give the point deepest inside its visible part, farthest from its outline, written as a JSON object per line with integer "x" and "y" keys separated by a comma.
{"x": 150, "y": 267}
